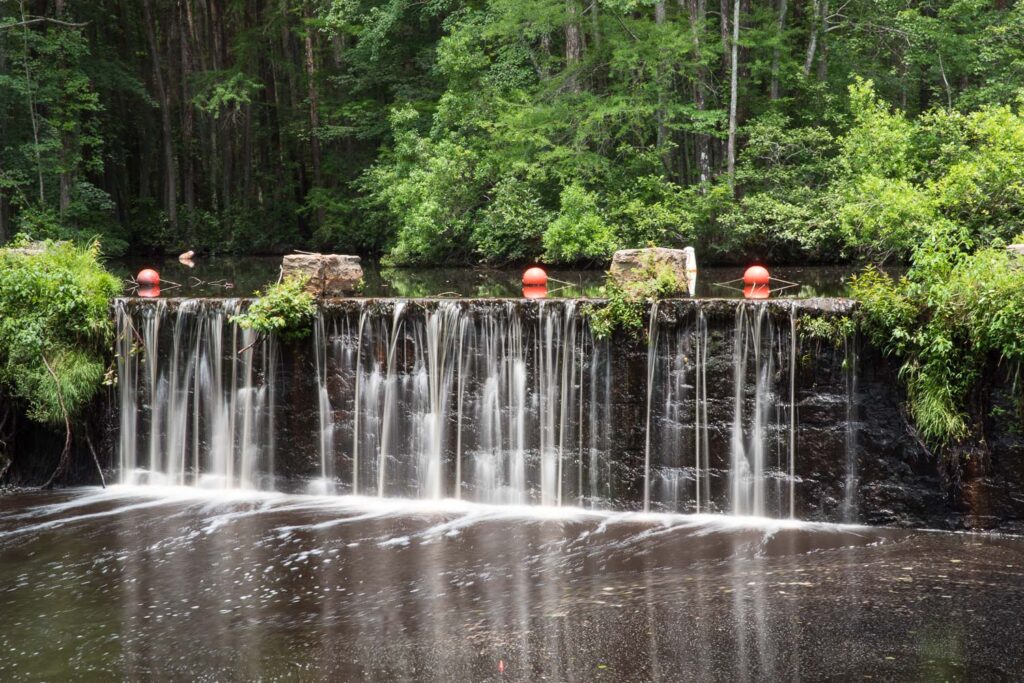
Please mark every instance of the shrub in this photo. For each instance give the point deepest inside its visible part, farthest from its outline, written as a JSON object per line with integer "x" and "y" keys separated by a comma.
{"x": 579, "y": 233}
{"x": 946, "y": 320}
{"x": 55, "y": 326}
{"x": 285, "y": 309}
{"x": 828, "y": 329}
{"x": 512, "y": 225}
{"x": 624, "y": 308}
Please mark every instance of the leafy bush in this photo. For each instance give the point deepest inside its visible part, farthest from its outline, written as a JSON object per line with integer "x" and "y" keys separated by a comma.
{"x": 953, "y": 314}
{"x": 55, "y": 326}
{"x": 285, "y": 309}
{"x": 579, "y": 233}
{"x": 829, "y": 329}
{"x": 512, "y": 225}
{"x": 626, "y": 300}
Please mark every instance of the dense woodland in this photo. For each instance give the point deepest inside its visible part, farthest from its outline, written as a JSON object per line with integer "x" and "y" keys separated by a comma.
{"x": 510, "y": 130}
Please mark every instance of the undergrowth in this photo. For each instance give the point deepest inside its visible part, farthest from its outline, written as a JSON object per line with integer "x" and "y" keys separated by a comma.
{"x": 953, "y": 316}
{"x": 627, "y": 298}
{"x": 284, "y": 310}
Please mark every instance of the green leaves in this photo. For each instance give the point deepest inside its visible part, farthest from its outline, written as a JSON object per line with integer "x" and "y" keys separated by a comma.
{"x": 947, "y": 320}
{"x": 626, "y": 299}
{"x": 579, "y": 233}
{"x": 285, "y": 310}
{"x": 54, "y": 307}
{"x": 223, "y": 92}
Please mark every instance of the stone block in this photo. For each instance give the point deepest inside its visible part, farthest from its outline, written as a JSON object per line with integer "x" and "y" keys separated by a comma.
{"x": 628, "y": 265}
{"x": 329, "y": 274}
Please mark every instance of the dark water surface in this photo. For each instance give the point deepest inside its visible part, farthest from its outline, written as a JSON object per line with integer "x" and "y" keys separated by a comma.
{"x": 177, "y": 585}
{"x": 242, "y": 276}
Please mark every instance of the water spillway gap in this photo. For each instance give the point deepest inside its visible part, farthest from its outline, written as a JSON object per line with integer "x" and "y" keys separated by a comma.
{"x": 499, "y": 402}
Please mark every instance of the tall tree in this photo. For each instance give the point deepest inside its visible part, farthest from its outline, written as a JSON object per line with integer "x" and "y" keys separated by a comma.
{"x": 164, "y": 98}
{"x": 734, "y": 64}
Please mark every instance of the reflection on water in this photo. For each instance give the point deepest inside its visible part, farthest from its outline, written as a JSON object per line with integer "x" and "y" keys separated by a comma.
{"x": 180, "y": 584}
{"x": 242, "y": 276}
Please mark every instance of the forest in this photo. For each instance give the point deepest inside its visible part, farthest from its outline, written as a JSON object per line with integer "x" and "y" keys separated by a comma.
{"x": 507, "y": 131}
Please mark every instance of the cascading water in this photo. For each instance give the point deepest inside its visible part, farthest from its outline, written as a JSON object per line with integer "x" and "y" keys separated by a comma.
{"x": 199, "y": 413}
{"x": 850, "y": 445}
{"x": 758, "y": 459}
{"x": 500, "y": 402}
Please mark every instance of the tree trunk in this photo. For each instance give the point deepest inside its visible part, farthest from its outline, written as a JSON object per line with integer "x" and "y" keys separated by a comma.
{"x": 573, "y": 45}
{"x": 66, "y": 176}
{"x": 599, "y": 76}
{"x": 780, "y": 27}
{"x": 4, "y": 230}
{"x": 812, "y": 41}
{"x": 67, "y": 143}
{"x": 733, "y": 94}
{"x": 662, "y": 135}
{"x": 314, "y": 100}
{"x": 702, "y": 142}
{"x": 823, "y": 42}
{"x": 32, "y": 107}
{"x": 723, "y": 27}
{"x": 170, "y": 180}
{"x": 187, "y": 113}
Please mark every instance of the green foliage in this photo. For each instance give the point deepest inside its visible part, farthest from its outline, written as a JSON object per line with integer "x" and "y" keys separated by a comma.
{"x": 54, "y": 311}
{"x": 285, "y": 310}
{"x": 626, "y": 299}
{"x": 947, "y": 320}
{"x": 451, "y": 131}
{"x": 512, "y": 225}
{"x": 831, "y": 330}
{"x": 902, "y": 181}
{"x": 580, "y": 232}
{"x": 225, "y": 93}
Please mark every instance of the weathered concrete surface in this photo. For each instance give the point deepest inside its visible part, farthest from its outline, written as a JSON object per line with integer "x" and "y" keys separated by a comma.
{"x": 329, "y": 274}
{"x": 630, "y": 264}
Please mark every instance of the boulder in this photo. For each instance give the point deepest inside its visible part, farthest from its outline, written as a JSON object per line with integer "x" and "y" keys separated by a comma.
{"x": 630, "y": 264}
{"x": 329, "y": 274}
{"x": 1017, "y": 249}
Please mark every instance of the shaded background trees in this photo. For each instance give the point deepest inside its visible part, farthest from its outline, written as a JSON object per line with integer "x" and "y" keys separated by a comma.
{"x": 510, "y": 129}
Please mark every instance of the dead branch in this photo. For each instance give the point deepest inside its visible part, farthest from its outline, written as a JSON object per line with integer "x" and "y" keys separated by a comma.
{"x": 65, "y": 455}
{"x": 95, "y": 459}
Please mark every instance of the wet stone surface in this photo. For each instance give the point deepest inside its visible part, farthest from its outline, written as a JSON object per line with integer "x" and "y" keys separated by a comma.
{"x": 171, "y": 584}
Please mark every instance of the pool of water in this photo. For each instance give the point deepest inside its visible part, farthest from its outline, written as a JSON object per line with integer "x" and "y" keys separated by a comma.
{"x": 141, "y": 583}
{"x": 243, "y": 276}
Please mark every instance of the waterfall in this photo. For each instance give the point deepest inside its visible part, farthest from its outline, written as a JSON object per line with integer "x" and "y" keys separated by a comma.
{"x": 503, "y": 402}
{"x": 192, "y": 411}
{"x": 792, "y": 412}
{"x": 652, "y": 356}
{"x": 760, "y": 458}
{"x": 739, "y": 467}
{"x": 701, "y": 449}
{"x": 849, "y": 509}
{"x": 325, "y": 413}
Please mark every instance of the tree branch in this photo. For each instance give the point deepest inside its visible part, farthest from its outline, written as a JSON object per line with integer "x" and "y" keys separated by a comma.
{"x": 62, "y": 465}
{"x": 38, "y": 20}
{"x": 96, "y": 460}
